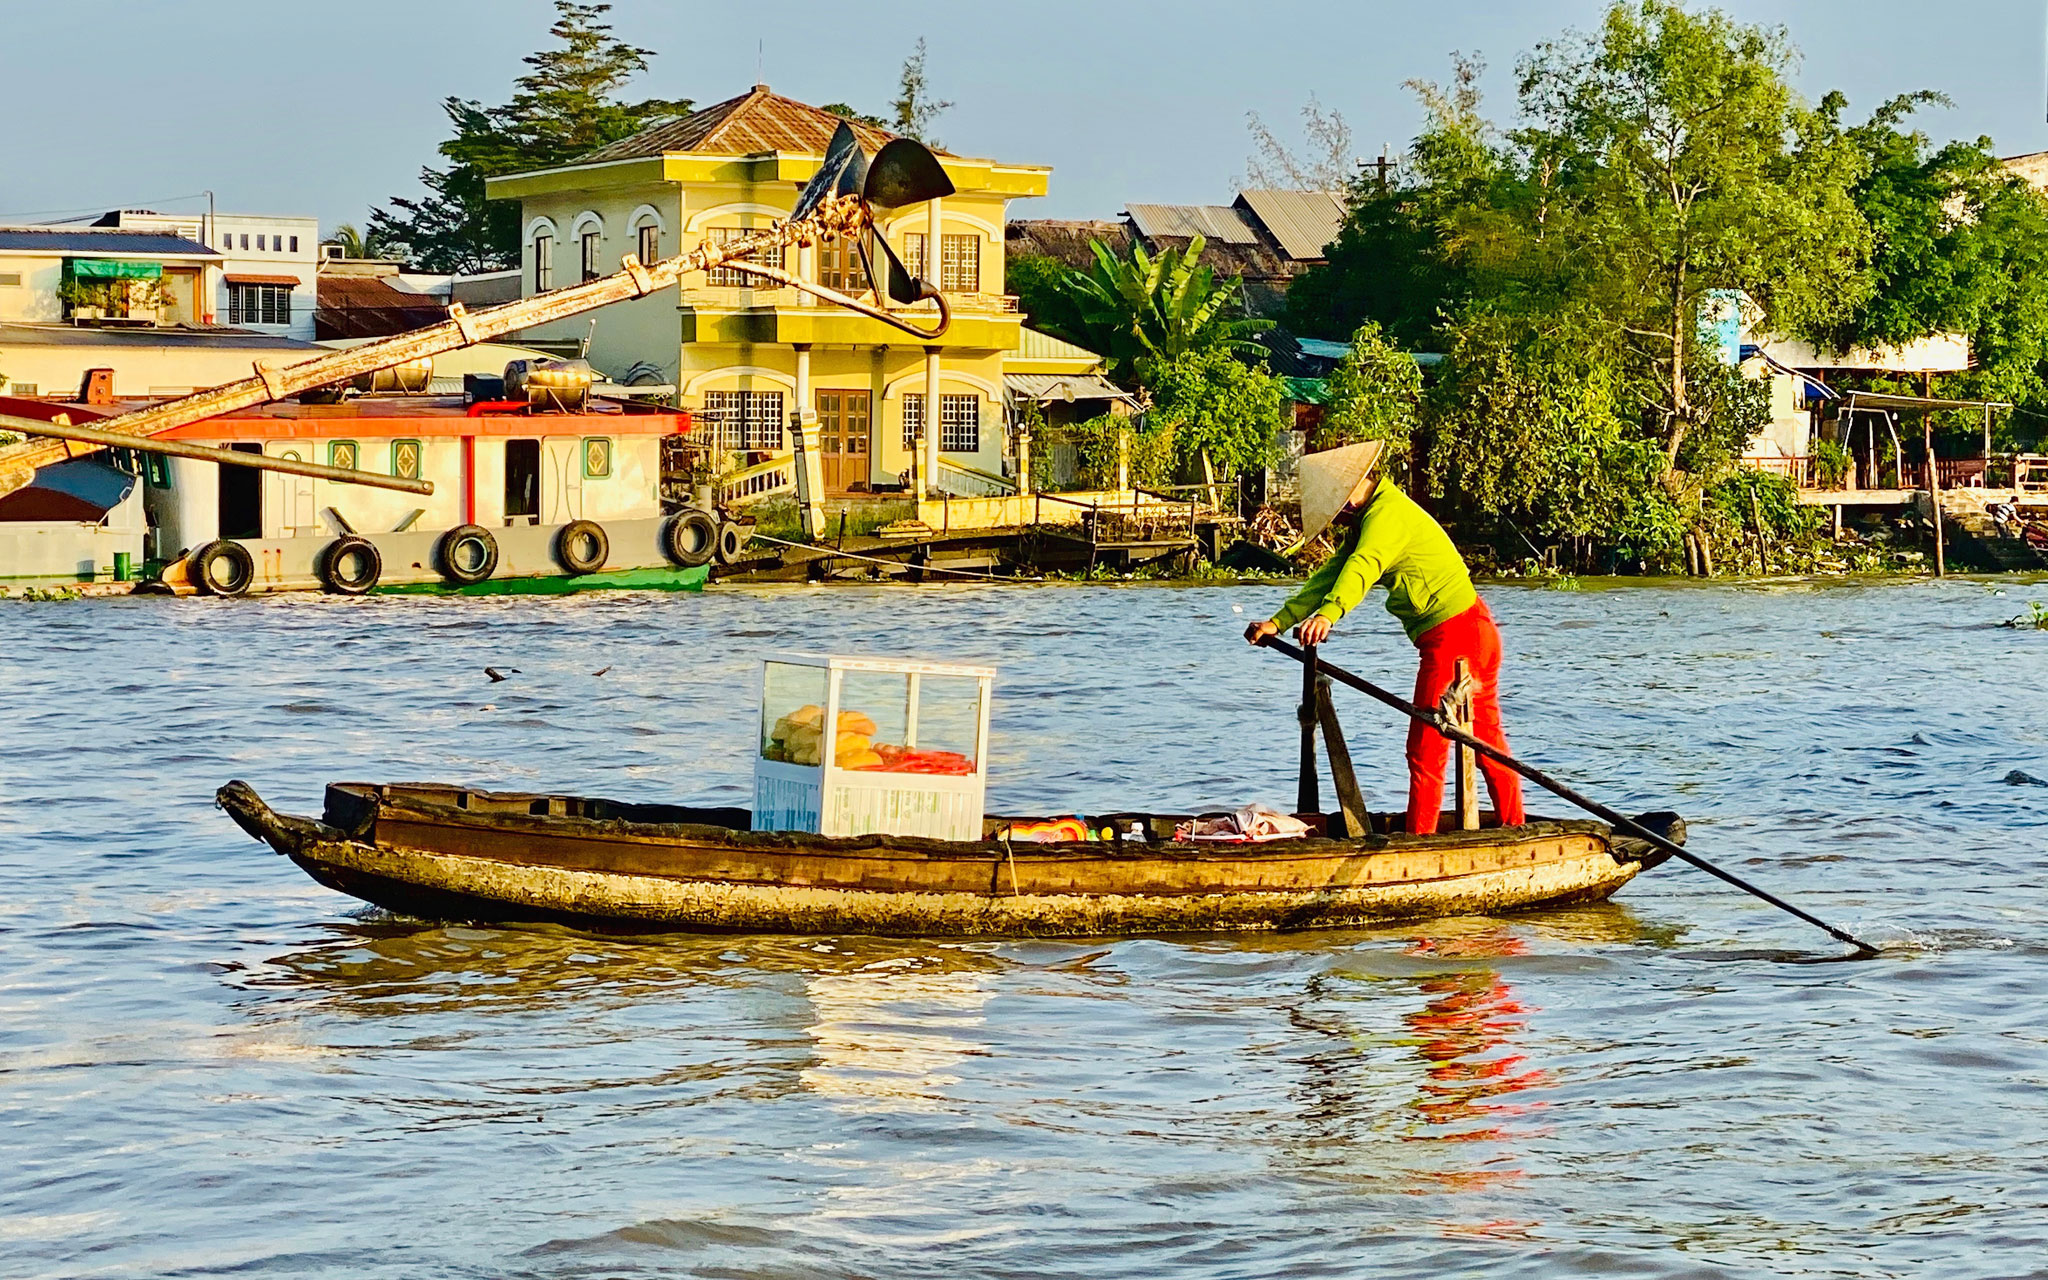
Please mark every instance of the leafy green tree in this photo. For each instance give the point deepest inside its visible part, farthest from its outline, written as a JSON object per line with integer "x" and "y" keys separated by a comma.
{"x": 1959, "y": 244}
{"x": 847, "y": 112}
{"x": 568, "y": 104}
{"x": 1656, "y": 160}
{"x": 1216, "y": 403}
{"x": 1407, "y": 255}
{"x": 914, "y": 110}
{"x": 1375, "y": 393}
{"x": 1035, "y": 279}
{"x": 1149, "y": 308}
{"x": 1673, "y": 158}
{"x": 1530, "y": 425}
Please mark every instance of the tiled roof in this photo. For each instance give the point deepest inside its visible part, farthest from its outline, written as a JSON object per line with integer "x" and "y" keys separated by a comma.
{"x": 758, "y": 120}
{"x": 77, "y": 240}
{"x": 1301, "y": 222}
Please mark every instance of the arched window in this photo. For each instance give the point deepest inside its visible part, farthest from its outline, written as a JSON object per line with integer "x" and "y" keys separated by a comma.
{"x": 593, "y": 253}
{"x": 647, "y": 241}
{"x": 543, "y": 261}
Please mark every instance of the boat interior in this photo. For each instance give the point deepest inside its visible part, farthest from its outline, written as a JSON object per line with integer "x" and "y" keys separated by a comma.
{"x": 350, "y": 805}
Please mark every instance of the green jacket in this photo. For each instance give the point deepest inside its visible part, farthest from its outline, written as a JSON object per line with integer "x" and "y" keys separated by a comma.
{"x": 1394, "y": 544}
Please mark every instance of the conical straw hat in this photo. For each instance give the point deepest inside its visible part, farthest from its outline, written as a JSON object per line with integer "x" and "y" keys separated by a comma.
{"x": 1332, "y": 478}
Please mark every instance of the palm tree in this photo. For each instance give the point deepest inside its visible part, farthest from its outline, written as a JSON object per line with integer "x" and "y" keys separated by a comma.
{"x": 1148, "y": 308}
{"x": 354, "y": 244}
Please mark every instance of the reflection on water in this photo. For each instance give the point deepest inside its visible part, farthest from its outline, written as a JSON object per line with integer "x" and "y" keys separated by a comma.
{"x": 1465, "y": 1033}
{"x": 889, "y": 1036}
{"x": 210, "y": 1064}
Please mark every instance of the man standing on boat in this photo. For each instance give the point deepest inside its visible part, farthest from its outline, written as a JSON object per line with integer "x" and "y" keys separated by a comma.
{"x": 1388, "y": 540}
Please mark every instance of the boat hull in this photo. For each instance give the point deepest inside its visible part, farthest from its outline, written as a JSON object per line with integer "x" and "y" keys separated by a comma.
{"x": 538, "y": 858}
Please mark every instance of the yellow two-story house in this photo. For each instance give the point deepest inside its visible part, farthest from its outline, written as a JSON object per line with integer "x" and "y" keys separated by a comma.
{"x": 745, "y": 357}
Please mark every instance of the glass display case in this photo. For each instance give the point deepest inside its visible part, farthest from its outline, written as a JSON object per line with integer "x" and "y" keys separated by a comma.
{"x": 861, "y": 746}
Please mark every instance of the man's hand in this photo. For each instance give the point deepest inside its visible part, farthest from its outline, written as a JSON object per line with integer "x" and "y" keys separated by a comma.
{"x": 1315, "y": 630}
{"x": 1258, "y": 631}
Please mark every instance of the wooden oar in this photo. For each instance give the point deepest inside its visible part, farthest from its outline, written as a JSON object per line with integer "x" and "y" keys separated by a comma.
{"x": 1435, "y": 721}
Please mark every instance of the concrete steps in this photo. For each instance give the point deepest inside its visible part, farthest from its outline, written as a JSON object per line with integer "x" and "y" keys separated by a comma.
{"x": 1977, "y": 538}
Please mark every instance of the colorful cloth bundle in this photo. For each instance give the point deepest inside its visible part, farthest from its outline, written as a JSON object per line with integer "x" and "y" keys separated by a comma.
{"x": 1253, "y": 824}
{"x": 1052, "y": 831}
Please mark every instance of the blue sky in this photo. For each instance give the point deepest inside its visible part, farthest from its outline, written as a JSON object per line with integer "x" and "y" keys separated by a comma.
{"x": 292, "y": 108}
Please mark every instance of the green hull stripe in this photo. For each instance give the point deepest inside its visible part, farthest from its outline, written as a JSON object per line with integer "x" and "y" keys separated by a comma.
{"x": 658, "y": 579}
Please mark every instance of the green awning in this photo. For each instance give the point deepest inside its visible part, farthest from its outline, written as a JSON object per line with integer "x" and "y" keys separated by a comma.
{"x": 110, "y": 269}
{"x": 1307, "y": 390}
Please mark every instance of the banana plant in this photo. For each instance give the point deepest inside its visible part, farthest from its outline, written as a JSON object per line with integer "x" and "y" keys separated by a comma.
{"x": 1150, "y": 307}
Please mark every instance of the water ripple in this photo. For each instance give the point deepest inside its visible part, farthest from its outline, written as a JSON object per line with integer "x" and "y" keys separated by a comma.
{"x": 209, "y": 1064}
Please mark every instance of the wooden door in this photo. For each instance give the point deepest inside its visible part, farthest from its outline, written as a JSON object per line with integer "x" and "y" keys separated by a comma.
{"x": 843, "y": 438}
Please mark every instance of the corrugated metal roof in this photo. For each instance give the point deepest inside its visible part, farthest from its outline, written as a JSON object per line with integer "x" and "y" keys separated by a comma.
{"x": 368, "y": 307}
{"x": 1216, "y": 223}
{"x": 1302, "y": 222}
{"x": 90, "y": 240}
{"x": 1034, "y": 345}
{"x": 1324, "y": 349}
{"x": 1063, "y": 386}
{"x": 756, "y": 121}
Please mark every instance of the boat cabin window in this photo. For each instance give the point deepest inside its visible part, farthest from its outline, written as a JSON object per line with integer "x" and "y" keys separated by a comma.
{"x": 241, "y": 498}
{"x": 522, "y": 481}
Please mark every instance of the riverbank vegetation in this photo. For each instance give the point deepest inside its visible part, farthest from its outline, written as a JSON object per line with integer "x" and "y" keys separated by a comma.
{"x": 1562, "y": 261}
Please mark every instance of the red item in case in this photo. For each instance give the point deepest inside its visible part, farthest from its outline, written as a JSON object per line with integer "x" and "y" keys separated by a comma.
{"x": 897, "y": 759}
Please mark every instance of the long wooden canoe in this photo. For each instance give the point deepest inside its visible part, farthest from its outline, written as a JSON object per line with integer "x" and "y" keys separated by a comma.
{"x": 455, "y": 853}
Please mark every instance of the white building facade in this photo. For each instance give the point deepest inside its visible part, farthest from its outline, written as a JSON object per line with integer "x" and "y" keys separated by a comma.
{"x": 264, "y": 279}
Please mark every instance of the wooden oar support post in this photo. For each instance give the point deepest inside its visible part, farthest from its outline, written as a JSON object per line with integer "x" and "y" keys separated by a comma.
{"x": 1456, "y": 709}
{"x": 1318, "y": 711}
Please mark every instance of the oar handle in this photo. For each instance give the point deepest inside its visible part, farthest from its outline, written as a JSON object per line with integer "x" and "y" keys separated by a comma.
{"x": 1436, "y": 721}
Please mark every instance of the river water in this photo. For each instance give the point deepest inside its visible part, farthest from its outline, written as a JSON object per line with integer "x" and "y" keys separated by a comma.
{"x": 211, "y": 1065}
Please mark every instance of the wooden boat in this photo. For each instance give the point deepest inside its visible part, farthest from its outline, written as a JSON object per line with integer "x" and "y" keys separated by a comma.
{"x": 455, "y": 853}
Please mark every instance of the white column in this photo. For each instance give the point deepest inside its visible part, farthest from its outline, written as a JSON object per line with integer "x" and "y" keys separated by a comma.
{"x": 810, "y": 464}
{"x": 931, "y": 414}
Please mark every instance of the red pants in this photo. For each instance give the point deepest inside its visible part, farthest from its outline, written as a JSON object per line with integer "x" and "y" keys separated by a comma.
{"x": 1471, "y": 636}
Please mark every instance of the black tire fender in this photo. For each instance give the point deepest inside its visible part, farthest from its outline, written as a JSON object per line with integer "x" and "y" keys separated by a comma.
{"x": 350, "y": 565}
{"x": 690, "y": 538}
{"x": 732, "y": 541}
{"x": 465, "y": 554}
{"x": 224, "y": 568}
{"x": 582, "y": 546}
